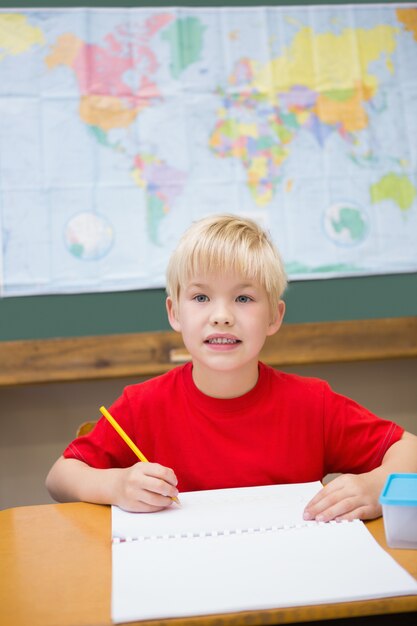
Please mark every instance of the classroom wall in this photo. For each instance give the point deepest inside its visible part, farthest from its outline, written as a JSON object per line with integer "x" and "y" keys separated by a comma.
{"x": 39, "y": 420}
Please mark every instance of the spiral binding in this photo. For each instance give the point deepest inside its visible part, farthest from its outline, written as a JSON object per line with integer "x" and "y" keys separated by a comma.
{"x": 227, "y": 532}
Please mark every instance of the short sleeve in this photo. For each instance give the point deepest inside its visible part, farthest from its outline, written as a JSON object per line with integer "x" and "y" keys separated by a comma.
{"x": 356, "y": 439}
{"x": 103, "y": 447}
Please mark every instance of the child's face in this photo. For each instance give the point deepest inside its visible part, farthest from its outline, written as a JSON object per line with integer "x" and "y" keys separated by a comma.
{"x": 224, "y": 320}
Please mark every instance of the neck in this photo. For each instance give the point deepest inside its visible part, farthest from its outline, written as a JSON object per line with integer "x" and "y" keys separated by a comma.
{"x": 224, "y": 384}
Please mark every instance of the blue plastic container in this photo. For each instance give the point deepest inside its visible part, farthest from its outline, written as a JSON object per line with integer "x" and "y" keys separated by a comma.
{"x": 399, "y": 508}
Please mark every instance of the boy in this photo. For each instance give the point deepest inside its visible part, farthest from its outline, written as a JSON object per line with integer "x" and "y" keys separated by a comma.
{"x": 225, "y": 419}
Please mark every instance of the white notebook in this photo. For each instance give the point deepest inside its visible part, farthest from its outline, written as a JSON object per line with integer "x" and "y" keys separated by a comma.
{"x": 243, "y": 549}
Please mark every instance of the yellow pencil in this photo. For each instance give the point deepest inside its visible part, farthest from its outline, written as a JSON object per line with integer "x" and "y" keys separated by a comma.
{"x": 127, "y": 439}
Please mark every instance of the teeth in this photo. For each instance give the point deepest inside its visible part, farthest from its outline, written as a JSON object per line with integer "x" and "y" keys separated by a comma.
{"x": 222, "y": 340}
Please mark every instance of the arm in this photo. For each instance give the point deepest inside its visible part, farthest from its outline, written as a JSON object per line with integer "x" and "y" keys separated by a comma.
{"x": 352, "y": 496}
{"x": 144, "y": 487}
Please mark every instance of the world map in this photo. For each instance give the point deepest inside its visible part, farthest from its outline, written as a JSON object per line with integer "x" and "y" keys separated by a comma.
{"x": 119, "y": 127}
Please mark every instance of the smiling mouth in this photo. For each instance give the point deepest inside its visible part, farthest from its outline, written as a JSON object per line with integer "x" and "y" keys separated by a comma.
{"x": 222, "y": 341}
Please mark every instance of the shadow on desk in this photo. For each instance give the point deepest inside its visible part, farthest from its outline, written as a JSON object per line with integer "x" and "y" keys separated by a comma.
{"x": 392, "y": 619}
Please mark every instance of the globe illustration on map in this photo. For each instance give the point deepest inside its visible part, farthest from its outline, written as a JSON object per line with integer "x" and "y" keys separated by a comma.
{"x": 88, "y": 236}
{"x": 346, "y": 223}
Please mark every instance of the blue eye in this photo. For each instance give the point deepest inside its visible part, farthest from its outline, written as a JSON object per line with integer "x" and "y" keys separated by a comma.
{"x": 243, "y": 299}
{"x": 200, "y": 298}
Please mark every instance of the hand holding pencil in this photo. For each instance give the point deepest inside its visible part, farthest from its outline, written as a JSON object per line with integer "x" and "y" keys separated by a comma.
{"x": 166, "y": 476}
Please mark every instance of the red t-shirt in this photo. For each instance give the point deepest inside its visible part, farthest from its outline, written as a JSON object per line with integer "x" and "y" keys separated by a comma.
{"x": 287, "y": 429}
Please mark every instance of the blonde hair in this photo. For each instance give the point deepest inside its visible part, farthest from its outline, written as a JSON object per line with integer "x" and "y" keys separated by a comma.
{"x": 227, "y": 243}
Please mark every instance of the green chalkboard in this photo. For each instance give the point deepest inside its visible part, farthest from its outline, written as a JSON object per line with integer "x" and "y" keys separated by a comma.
{"x": 135, "y": 311}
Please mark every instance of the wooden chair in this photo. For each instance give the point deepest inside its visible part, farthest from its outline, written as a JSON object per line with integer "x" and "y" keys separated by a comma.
{"x": 85, "y": 427}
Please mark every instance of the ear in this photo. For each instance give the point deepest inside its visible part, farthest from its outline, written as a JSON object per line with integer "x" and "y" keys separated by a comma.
{"x": 275, "y": 325}
{"x": 172, "y": 315}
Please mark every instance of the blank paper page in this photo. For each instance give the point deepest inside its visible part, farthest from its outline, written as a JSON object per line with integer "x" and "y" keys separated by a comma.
{"x": 219, "y": 510}
{"x": 319, "y": 563}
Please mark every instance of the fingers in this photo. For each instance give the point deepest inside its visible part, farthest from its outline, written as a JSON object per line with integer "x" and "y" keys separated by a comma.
{"x": 347, "y": 497}
{"x": 147, "y": 487}
{"x": 324, "y": 499}
{"x": 158, "y": 478}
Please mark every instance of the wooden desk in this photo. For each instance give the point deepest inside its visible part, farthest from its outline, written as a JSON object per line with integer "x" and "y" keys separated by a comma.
{"x": 55, "y": 570}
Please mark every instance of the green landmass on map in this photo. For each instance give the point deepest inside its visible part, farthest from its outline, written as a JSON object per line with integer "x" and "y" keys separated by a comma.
{"x": 185, "y": 37}
{"x": 395, "y": 187}
{"x": 295, "y": 267}
{"x": 352, "y": 220}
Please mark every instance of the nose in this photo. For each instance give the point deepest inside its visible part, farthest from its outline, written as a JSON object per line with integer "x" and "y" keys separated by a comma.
{"x": 221, "y": 316}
